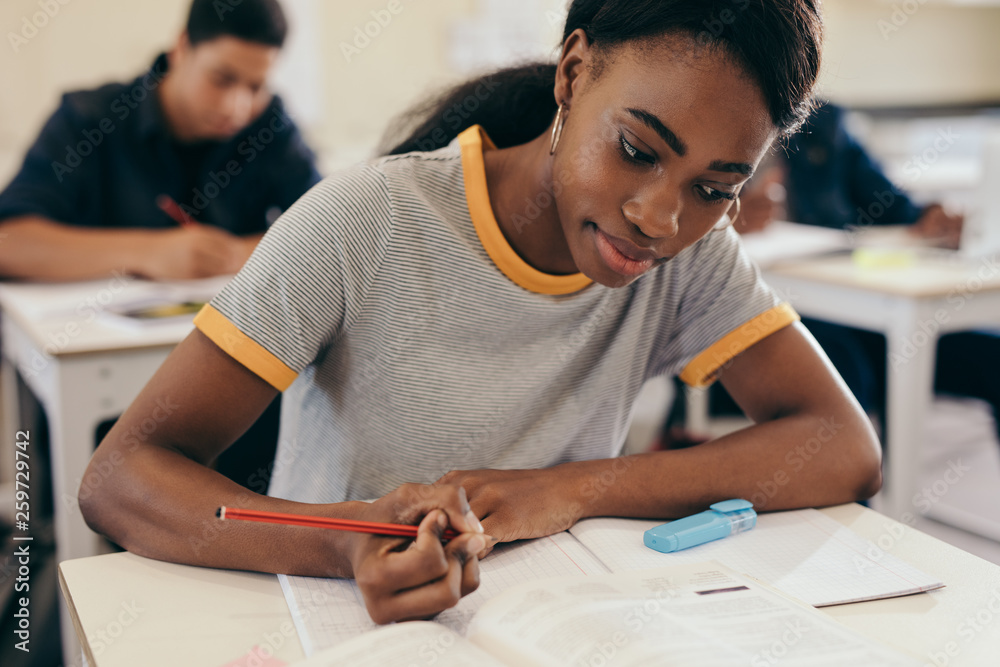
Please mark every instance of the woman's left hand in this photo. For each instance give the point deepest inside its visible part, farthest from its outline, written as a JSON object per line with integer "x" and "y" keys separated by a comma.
{"x": 520, "y": 504}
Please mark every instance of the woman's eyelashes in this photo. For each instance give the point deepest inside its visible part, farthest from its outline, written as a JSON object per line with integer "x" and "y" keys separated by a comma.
{"x": 633, "y": 154}
{"x": 713, "y": 195}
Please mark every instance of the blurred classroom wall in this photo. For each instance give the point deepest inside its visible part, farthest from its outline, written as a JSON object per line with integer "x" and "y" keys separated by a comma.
{"x": 944, "y": 53}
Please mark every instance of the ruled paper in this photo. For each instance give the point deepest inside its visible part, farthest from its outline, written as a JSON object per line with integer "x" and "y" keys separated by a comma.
{"x": 803, "y": 553}
{"x": 329, "y": 611}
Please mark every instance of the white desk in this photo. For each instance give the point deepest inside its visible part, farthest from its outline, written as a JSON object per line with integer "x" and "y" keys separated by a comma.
{"x": 192, "y": 616}
{"x": 912, "y": 305}
{"x": 83, "y": 372}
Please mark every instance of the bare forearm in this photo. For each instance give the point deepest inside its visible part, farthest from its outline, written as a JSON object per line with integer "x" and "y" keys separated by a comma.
{"x": 158, "y": 503}
{"x": 791, "y": 462}
{"x": 35, "y": 248}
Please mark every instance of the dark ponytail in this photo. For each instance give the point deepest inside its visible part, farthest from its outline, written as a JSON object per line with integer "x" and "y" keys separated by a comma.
{"x": 776, "y": 41}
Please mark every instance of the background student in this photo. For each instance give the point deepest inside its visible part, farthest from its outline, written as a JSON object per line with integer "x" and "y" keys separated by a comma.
{"x": 199, "y": 129}
{"x": 421, "y": 322}
{"x": 827, "y": 178}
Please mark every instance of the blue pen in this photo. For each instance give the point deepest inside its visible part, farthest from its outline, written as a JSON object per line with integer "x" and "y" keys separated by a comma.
{"x": 721, "y": 520}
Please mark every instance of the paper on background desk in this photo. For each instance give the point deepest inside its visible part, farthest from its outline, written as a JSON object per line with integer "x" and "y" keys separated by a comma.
{"x": 789, "y": 240}
{"x": 62, "y": 301}
{"x": 327, "y": 612}
{"x": 803, "y": 553}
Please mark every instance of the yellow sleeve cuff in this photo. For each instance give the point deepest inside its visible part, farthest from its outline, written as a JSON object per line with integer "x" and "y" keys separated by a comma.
{"x": 243, "y": 349}
{"x": 704, "y": 368}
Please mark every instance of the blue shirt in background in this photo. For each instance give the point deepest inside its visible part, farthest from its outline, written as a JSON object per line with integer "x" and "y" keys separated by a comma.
{"x": 833, "y": 182}
{"x": 105, "y": 155}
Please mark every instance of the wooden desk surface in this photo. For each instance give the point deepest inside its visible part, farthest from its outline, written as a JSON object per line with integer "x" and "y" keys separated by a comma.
{"x": 134, "y": 610}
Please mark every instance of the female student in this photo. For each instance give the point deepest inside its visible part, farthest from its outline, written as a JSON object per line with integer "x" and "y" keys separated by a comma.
{"x": 493, "y": 307}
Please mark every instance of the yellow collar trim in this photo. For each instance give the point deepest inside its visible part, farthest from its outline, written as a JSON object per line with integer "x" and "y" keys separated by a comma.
{"x": 474, "y": 142}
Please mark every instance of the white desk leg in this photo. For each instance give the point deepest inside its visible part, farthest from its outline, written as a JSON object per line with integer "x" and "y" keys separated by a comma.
{"x": 909, "y": 389}
{"x": 696, "y": 410}
{"x": 9, "y": 417}
{"x": 73, "y": 420}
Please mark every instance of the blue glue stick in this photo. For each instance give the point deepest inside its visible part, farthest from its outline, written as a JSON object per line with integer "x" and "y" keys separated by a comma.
{"x": 723, "y": 519}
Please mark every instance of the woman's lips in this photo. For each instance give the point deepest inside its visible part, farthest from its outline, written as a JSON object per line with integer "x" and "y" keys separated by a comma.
{"x": 619, "y": 262}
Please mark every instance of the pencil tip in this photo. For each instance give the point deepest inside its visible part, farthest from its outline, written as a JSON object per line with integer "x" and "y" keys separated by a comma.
{"x": 218, "y": 513}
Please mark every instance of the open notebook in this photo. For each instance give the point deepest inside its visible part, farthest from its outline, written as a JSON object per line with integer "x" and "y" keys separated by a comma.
{"x": 696, "y": 615}
{"x": 802, "y": 553}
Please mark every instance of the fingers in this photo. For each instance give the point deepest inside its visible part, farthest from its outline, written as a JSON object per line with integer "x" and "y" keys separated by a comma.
{"x": 209, "y": 231}
{"x": 423, "y": 601}
{"x": 491, "y": 542}
{"x": 460, "y": 579}
{"x": 424, "y": 561}
{"x": 465, "y": 550}
{"x": 415, "y": 500}
{"x": 214, "y": 251}
{"x": 426, "y": 578}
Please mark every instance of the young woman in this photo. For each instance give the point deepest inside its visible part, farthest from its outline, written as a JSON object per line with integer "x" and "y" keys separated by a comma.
{"x": 493, "y": 311}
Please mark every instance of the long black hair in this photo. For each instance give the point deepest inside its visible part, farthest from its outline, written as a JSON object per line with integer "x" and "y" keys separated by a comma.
{"x": 777, "y": 42}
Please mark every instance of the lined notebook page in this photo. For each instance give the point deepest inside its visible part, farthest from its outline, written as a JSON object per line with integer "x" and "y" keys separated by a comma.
{"x": 803, "y": 553}
{"x": 329, "y": 611}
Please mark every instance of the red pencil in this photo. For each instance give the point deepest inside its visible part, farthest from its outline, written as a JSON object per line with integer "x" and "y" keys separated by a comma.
{"x": 373, "y": 527}
{"x": 174, "y": 210}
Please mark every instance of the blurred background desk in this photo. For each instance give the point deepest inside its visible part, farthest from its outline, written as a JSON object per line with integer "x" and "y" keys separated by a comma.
{"x": 83, "y": 371}
{"x": 912, "y": 305}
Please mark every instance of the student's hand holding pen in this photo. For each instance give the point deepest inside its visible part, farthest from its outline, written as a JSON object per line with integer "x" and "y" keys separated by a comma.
{"x": 192, "y": 251}
{"x": 939, "y": 225}
{"x": 520, "y": 504}
{"x": 403, "y": 579}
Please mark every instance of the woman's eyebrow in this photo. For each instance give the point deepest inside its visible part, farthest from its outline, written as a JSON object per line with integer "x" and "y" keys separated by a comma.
{"x": 652, "y": 122}
{"x": 732, "y": 167}
{"x": 656, "y": 125}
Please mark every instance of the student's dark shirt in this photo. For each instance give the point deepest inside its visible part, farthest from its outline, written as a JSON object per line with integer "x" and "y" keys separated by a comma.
{"x": 833, "y": 182}
{"x": 105, "y": 156}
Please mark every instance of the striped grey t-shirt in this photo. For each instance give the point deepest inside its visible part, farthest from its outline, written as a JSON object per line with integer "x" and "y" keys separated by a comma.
{"x": 412, "y": 339}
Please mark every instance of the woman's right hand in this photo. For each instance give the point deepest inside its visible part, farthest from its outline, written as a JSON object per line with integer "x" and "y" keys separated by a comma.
{"x": 404, "y": 579}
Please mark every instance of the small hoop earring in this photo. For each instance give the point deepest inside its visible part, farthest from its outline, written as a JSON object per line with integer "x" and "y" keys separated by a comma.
{"x": 557, "y": 128}
{"x": 732, "y": 221}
